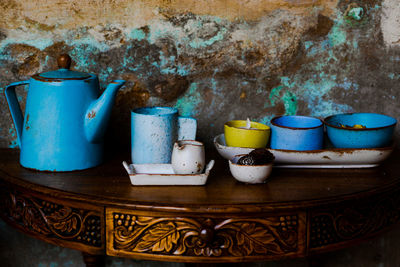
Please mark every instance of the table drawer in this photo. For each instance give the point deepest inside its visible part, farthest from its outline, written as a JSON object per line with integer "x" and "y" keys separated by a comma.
{"x": 215, "y": 238}
{"x": 70, "y": 224}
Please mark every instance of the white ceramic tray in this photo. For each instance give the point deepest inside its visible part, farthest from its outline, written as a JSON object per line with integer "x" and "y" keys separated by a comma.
{"x": 324, "y": 158}
{"x": 163, "y": 174}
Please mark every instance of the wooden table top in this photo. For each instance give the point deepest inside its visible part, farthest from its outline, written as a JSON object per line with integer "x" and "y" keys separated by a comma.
{"x": 109, "y": 184}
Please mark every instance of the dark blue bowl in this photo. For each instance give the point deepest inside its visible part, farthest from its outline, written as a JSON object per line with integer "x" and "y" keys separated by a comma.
{"x": 378, "y": 130}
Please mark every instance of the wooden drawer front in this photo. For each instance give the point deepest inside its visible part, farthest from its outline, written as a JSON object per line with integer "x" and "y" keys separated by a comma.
{"x": 69, "y": 224}
{"x": 166, "y": 236}
{"x": 356, "y": 220}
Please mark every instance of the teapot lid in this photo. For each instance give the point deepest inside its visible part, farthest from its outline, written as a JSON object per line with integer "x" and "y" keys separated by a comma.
{"x": 63, "y": 73}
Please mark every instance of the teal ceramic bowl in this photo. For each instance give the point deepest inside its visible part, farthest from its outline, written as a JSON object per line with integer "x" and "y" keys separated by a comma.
{"x": 360, "y": 130}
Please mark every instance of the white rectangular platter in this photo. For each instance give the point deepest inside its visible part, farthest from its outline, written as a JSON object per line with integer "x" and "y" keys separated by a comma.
{"x": 324, "y": 158}
{"x": 163, "y": 174}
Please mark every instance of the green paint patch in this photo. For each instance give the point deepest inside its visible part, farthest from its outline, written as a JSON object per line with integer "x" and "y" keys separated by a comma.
{"x": 289, "y": 99}
{"x": 137, "y": 34}
{"x": 308, "y": 44}
{"x": 200, "y": 43}
{"x": 290, "y": 102}
{"x": 188, "y": 103}
{"x": 14, "y": 141}
{"x": 166, "y": 30}
{"x": 394, "y": 76}
{"x": 356, "y": 13}
{"x": 168, "y": 65}
{"x": 337, "y": 36}
{"x": 274, "y": 95}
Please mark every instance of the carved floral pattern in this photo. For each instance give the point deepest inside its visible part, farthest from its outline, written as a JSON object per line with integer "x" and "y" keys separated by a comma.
{"x": 205, "y": 237}
{"x": 349, "y": 222}
{"x": 51, "y": 219}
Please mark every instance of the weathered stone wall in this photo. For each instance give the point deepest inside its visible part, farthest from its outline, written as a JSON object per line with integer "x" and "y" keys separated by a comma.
{"x": 214, "y": 60}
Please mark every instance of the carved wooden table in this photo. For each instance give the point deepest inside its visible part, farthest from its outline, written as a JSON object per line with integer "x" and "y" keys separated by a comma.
{"x": 298, "y": 213}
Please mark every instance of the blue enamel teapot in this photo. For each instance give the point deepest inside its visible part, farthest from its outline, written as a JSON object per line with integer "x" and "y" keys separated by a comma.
{"x": 65, "y": 119}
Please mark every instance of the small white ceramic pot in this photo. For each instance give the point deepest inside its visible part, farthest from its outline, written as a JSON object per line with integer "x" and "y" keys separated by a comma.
{"x": 188, "y": 157}
{"x": 251, "y": 174}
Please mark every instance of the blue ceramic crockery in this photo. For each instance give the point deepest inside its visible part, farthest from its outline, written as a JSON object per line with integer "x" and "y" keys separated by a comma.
{"x": 154, "y": 130}
{"x": 378, "y": 130}
{"x": 65, "y": 119}
{"x": 296, "y": 133}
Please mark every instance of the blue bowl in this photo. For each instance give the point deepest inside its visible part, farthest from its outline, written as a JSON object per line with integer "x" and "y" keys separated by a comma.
{"x": 296, "y": 133}
{"x": 378, "y": 130}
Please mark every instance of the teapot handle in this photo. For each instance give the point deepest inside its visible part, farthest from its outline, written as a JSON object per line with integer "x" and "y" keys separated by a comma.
{"x": 15, "y": 108}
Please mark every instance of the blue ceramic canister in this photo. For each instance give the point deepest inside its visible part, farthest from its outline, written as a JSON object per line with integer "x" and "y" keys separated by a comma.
{"x": 296, "y": 133}
{"x": 65, "y": 118}
{"x": 154, "y": 130}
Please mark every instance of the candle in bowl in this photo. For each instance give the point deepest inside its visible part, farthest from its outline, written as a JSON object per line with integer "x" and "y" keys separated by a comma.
{"x": 242, "y": 133}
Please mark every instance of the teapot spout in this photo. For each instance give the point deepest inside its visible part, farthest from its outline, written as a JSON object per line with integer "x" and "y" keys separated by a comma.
{"x": 98, "y": 113}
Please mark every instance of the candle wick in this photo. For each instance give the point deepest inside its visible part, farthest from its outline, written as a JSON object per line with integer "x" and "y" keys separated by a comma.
{"x": 248, "y": 124}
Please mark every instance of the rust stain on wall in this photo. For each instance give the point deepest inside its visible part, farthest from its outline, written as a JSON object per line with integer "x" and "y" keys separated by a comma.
{"x": 26, "y": 57}
{"x": 48, "y": 15}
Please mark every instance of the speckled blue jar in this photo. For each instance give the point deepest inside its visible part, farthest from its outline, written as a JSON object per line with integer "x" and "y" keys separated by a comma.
{"x": 154, "y": 131}
{"x": 296, "y": 133}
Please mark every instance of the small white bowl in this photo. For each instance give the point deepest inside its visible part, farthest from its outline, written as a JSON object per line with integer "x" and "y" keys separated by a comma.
{"x": 251, "y": 174}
